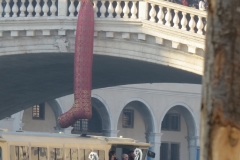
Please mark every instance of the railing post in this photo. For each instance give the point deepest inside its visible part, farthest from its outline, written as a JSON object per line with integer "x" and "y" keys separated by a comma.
{"x": 62, "y": 7}
{"x": 143, "y": 10}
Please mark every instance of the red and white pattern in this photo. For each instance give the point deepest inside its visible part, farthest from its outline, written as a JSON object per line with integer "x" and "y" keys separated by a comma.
{"x": 82, "y": 107}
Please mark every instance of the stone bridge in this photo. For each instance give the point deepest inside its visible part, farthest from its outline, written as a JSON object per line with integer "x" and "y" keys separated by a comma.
{"x": 135, "y": 41}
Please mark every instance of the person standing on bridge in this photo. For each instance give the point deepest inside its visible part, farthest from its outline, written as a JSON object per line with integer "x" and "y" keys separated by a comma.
{"x": 203, "y": 5}
{"x": 185, "y": 2}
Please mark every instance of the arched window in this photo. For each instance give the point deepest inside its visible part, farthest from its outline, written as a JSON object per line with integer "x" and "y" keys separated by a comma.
{"x": 91, "y": 126}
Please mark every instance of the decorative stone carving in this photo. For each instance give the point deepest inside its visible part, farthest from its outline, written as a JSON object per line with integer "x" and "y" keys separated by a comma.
{"x": 62, "y": 44}
{"x": 138, "y": 153}
{"x": 93, "y": 156}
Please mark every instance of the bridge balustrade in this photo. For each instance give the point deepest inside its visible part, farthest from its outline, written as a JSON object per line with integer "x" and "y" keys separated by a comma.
{"x": 161, "y": 19}
{"x": 160, "y": 12}
{"x": 177, "y": 16}
{"x": 28, "y": 8}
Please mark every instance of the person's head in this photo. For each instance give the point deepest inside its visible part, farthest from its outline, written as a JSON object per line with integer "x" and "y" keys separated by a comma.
{"x": 131, "y": 154}
{"x": 112, "y": 154}
{"x": 124, "y": 157}
{"x": 205, "y": 0}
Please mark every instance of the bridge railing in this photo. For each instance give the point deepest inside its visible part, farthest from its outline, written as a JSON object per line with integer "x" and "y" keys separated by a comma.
{"x": 176, "y": 16}
{"x": 44, "y": 8}
{"x": 160, "y": 19}
{"x": 161, "y": 12}
{"x": 28, "y": 8}
{"x": 108, "y": 9}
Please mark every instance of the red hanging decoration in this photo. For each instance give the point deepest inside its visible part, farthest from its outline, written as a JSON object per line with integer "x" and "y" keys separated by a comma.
{"x": 82, "y": 107}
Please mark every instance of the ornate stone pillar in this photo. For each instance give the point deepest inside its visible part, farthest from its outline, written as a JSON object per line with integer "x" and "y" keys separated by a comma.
{"x": 155, "y": 140}
{"x": 110, "y": 133}
{"x": 192, "y": 147}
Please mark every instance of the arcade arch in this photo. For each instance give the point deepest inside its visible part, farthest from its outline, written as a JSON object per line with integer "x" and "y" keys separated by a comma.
{"x": 179, "y": 133}
{"x": 52, "y": 110}
{"x": 100, "y": 122}
{"x": 140, "y": 115}
{"x": 104, "y": 112}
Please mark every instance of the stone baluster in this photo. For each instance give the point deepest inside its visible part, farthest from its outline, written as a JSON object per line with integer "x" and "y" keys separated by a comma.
{"x": 125, "y": 10}
{"x": 176, "y": 19}
{"x": 30, "y": 8}
{"x": 7, "y": 9}
{"x": 110, "y": 10}
{"x": 53, "y": 8}
{"x": 45, "y": 8}
{"x": 15, "y": 8}
{"x": 95, "y": 8}
{"x": 38, "y": 8}
{"x": 184, "y": 21}
{"x": 200, "y": 25}
{"x": 103, "y": 9}
{"x": 205, "y": 28}
{"x": 1, "y": 8}
{"x": 79, "y": 5}
{"x": 160, "y": 15}
{"x": 168, "y": 17}
{"x": 22, "y": 9}
{"x": 192, "y": 23}
{"x": 71, "y": 9}
{"x": 118, "y": 10}
{"x": 134, "y": 10}
{"x": 152, "y": 13}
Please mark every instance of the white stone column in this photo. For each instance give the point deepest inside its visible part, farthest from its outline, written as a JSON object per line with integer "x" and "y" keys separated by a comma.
{"x": 110, "y": 133}
{"x": 192, "y": 147}
{"x": 155, "y": 140}
{"x": 143, "y": 10}
{"x": 62, "y": 8}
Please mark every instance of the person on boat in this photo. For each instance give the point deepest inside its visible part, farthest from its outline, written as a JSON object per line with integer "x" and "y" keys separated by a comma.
{"x": 124, "y": 157}
{"x": 112, "y": 155}
{"x": 131, "y": 155}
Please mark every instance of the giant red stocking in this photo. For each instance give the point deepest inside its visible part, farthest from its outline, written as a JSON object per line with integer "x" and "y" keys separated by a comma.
{"x": 82, "y": 108}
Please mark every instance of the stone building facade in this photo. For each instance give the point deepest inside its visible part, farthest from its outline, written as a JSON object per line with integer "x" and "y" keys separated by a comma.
{"x": 165, "y": 115}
